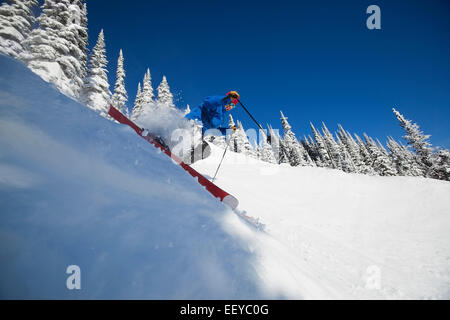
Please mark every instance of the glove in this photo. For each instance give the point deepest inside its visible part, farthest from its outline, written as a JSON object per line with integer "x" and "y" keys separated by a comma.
{"x": 229, "y": 106}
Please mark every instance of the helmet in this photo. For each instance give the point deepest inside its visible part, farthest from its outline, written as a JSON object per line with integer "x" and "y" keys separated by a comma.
{"x": 233, "y": 94}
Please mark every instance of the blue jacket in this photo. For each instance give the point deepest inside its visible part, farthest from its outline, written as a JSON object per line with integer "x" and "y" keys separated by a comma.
{"x": 211, "y": 113}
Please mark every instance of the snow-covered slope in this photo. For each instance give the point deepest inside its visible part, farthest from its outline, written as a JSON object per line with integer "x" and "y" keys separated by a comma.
{"x": 355, "y": 236}
{"x": 77, "y": 189}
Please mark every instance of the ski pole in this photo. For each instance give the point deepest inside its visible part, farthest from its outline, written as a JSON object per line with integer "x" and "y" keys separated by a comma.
{"x": 220, "y": 162}
{"x": 250, "y": 115}
{"x": 268, "y": 136}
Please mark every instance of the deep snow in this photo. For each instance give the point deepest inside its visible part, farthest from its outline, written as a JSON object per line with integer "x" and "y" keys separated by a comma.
{"x": 355, "y": 236}
{"x": 76, "y": 188}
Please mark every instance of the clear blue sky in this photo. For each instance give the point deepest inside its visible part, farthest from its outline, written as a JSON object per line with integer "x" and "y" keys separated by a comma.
{"x": 315, "y": 60}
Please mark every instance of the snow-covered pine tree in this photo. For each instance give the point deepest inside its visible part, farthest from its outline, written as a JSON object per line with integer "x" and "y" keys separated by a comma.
{"x": 79, "y": 29}
{"x": 266, "y": 152}
{"x": 16, "y": 22}
{"x": 120, "y": 96}
{"x": 311, "y": 140}
{"x": 145, "y": 103}
{"x": 397, "y": 157}
{"x": 353, "y": 150}
{"x": 385, "y": 153}
{"x": 357, "y": 157}
{"x": 165, "y": 97}
{"x": 258, "y": 151}
{"x": 233, "y": 141}
{"x": 138, "y": 107}
{"x": 332, "y": 147}
{"x": 381, "y": 163}
{"x": 441, "y": 165}
{"x": 308, "y": 161}
{"x": 246, "y": 147}
{"x": 311, "y": 149}
{"x": 96, "y": 93}
{"x": 306, "y": 157}
{"x": 325, "y": 159}
{"x": 361, "y": 158}
{"x": 419, "y": 141}
{"x": 295, "y": 151}
{"x": 305, "y": 143}
{"x": 275, "y": 144}
{"x": 56, "y": 49}
{"x": 404, "y": 160}
{"x": 365, "y": 157}
{"x": 382, "y": 148}
{"x": 284, "y": 156}
{"x": 412, "y": 161}
{"x": 239, "y": 141}
{"x": 147, "y": 89}
{"x": 346, "y": 159}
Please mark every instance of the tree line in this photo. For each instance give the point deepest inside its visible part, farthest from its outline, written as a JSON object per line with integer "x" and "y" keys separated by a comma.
{"x": 54, "y": 45}
{"x": 347, "y": 152}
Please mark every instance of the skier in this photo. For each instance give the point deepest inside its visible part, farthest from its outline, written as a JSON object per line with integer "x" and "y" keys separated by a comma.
{"x": 212, "y": 113}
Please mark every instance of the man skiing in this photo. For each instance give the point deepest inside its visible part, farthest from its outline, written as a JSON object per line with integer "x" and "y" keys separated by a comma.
{"x": 212, "y": 112}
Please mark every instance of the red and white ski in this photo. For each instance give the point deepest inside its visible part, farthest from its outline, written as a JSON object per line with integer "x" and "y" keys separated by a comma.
{"x": 217, "y": 192}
